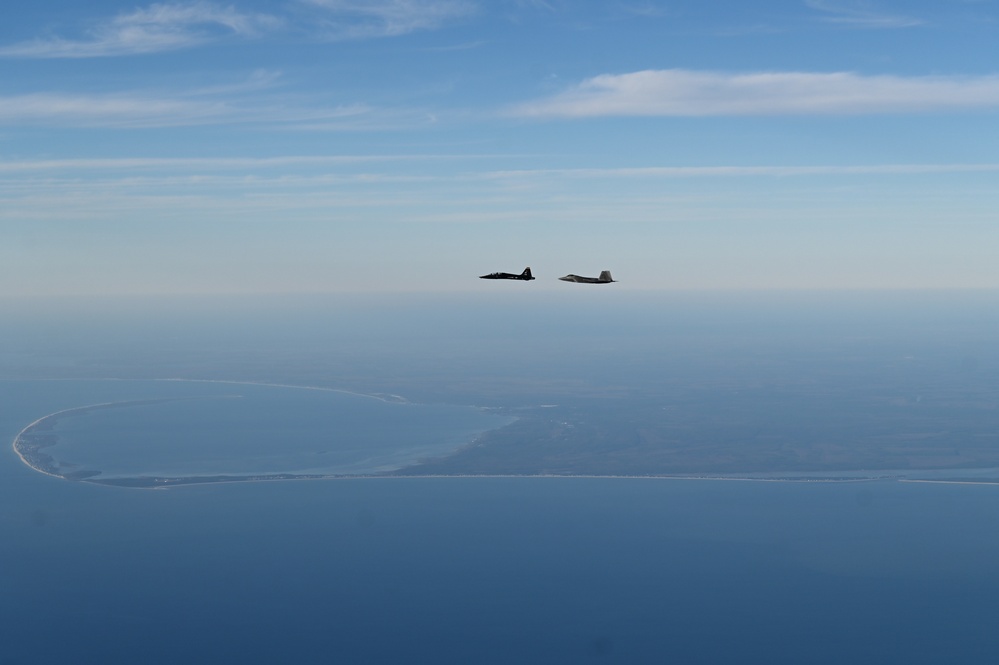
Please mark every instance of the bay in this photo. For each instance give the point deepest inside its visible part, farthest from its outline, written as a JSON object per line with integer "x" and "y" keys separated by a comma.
{"x": 190, "y": 429}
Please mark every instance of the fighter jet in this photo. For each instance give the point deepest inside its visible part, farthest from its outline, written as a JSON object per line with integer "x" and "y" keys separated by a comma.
{"x": 605, "y": 278}
{"x": 525, "y": 276}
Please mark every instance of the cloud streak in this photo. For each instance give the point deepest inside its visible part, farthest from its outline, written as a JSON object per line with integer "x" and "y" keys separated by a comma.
{"x": 678, "y": 92}
{"x": 251, "y": 101}
{"x": 134, "y": 110}
{"x": 324, "y": 168}
{"x": 119, "y": 110}
{"x": 173, "y": 26}
{"x": 215, "y": 164}
{"x": 152, "y": 29}
{"x": 749, "y": 171}
{"x": 861, "y": 16}
{"x": 362, "y": 19}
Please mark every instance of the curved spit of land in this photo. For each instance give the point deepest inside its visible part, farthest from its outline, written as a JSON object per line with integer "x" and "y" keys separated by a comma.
{"x": 30, "y": 442}
{"x": 38, "y": 435}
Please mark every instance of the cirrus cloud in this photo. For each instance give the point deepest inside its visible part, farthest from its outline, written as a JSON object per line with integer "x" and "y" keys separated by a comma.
{"x": 678, "y": 92}
{"x": 148, "y": 109}
{"x": 861, "y": 15}
{"x": 158, "y": 27}
{"x": 360, "y": 19}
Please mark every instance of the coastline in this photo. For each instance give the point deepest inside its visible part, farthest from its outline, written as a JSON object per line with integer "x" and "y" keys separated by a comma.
{"x": 154, "y": 482}
{"x": 31, "y": 440}
{"x": 382, "y": 397}
{"x": 28, "y": 443}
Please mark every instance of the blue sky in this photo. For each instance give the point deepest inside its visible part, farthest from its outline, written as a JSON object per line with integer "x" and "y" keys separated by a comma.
{"x": 411, "y": 145}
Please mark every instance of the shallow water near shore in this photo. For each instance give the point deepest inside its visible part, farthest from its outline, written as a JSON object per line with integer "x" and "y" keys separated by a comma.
{"x": 190, "y": 429}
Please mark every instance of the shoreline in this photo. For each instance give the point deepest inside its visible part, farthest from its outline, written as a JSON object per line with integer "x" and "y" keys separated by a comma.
{"x": 28, "y": 450}
{"x": 160, "y": 483}
{"x": 382, "y": 397}
{"x": 34, "y": 437}
{"x": 389, "y": 398}
{"x": 24, "y": 455}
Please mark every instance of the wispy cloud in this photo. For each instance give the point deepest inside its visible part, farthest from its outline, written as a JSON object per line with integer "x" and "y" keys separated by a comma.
{"x": 678, "y": 92}
{"x": 546, "y": 5}
{"x": 158, "y": 27}
{"x": 654, "y": 172}
{"x": 360, "y": 19}
{"x": 284, "y": 170}
{"x": 258, "y": 100}
{"x": 197, "y": 165}
{"x": 861, "y": 15}
{"x": 134, "y": 110}
{"x": 151, "y": 109}
{"x": 722, "y": 171}
{"x": 648, "y": 10}
{"x": 172, "y": 26}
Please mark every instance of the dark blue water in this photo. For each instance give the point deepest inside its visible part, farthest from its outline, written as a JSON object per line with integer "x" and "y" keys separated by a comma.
{"x": 490, "y": 570}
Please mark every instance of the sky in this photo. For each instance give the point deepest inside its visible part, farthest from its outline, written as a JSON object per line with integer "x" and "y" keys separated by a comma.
{"x": 314, "y": 146}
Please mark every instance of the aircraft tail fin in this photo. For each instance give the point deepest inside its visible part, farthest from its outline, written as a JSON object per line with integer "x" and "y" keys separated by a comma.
{"x": 605, "y": 276}
{"x": 527, "y": 273}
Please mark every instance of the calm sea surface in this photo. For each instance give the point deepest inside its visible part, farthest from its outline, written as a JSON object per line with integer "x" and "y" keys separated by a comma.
{"x": 482, "y": 570}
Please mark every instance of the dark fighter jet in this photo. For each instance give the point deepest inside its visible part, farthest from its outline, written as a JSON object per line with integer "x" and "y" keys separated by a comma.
{"x": 525, "y": 276}
{"x": 605, "y": 278}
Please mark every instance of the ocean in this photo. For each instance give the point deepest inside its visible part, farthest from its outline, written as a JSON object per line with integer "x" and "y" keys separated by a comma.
{"x": 488, "y": 570}
{"x": 450, "y": 570}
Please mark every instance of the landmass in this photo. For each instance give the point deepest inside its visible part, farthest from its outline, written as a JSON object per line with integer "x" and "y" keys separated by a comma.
{"x": 743, "y": 434}
{"x": 30, "y": 443}
{"x": 647, "y": 439}
{"x": 38, "y": 435}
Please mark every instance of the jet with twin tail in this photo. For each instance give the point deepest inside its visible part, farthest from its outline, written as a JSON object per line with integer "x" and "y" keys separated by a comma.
{"x": 605, "y": 278}
{"x": 525, "y": 276}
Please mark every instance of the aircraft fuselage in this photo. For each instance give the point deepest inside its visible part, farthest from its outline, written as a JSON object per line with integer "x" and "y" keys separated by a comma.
{"x": 525, "y": 276}
{"x": 605, "y": 278}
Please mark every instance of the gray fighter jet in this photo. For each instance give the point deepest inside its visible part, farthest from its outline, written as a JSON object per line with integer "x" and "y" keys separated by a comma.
{"x": 525, "y": 276}
{"x": 605, "y": 278}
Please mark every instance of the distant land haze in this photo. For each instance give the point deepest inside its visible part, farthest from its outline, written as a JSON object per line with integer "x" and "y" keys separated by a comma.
{"x": 689, "y": 384}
